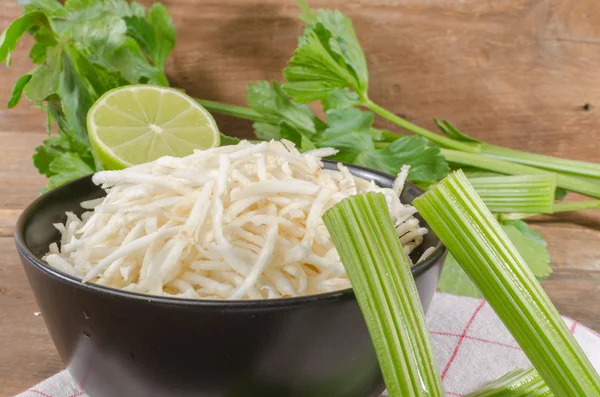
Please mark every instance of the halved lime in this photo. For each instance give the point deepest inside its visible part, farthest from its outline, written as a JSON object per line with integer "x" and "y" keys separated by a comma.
{"x": 140, "y": 123}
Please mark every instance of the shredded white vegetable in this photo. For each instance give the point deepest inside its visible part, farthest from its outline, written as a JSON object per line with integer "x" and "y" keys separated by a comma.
{"x": 234, "y": 222}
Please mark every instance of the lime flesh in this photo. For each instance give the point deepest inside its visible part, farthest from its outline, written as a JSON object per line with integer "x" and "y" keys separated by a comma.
{"x": 136, "y": 124}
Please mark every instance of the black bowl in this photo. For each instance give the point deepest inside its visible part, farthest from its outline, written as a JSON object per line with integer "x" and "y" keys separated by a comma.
{"x": 116, "y": 343}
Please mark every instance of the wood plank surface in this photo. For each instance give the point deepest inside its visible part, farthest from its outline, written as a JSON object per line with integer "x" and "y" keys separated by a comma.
{"x": 27, "y": 354}
{"x": 520, "y": 73}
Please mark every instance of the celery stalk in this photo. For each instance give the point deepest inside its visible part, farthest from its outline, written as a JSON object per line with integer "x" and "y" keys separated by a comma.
{"x": 576, "y": 206}
{"x": 242, "y": 112}
{"x": 519, "y": 193}
{"x": 520, "y": 383}
{"x": 363, "y": 233}
{"x": 556, "y": 208}
{"x": 558, "y": 164}
{"x": 441, "y": 140}
{"x": 505, "y": 167}
{"x": 515, "y": 216}
{"x": 471, "y": 233}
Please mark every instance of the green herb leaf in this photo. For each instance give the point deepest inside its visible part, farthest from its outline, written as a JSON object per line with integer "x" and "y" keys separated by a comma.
{"x": 14, "y": 32}
{"x": 340, "y": 98}
{"x": 328, "y": 57}
{"x": 348, "y": 130}
{"x": 266, "y": 131}
{"x": 44, "y": 38}
{"x": 143, "y": 33}
{"x": 302, "y": 142}
{"x": 54, "y": 148}
{"x": 560, "y": 193}
{"x": 56, "y": 113}
{"x": 532, "y": 249}
{"x": 227, "y": 140}
{"x": 67, "y": 167}
{"x": 100, "y": 31}
{"x": 291, "y": 133}
{"x": 17, "y": 90}
{"x": 137, "y": 10}
{"x": 427, "y": 164}
{"x": 381, "y": 134}
{"x": 346, "y": 45}
{"x": 528, "y": 232}
{"x": 95, "y": 8}
{"x": 129, "y": 60}
{"x": 45, "y": 78}
{"x": 50, "y": 149}
{"x": 49, "y": 7}
{"x": 155, "y": 35}
{"x": 93, "y": 80}
{"x": 454, "y": 280}
{"x": 75, "y": 5}
{"x": 38, "y": 53}
{"x": 273, "y": 104}
{"x": 530, "y": 244}
{"x": 83, "y": 50}
{"x": 74, "y": 93}
{"x": 453, "y": 132}
{"x": 307, "y": 15}
{"x": 164, "y": 31}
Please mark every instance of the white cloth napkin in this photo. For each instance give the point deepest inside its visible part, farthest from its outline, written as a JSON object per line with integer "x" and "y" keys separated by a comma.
{"x": 471, "y": 345}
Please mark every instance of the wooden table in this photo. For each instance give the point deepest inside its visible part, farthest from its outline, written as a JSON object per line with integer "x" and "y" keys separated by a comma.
{"x": 521, "y": 73}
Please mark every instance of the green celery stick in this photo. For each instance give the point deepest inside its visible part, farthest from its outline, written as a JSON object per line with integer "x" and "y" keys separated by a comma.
{"x": 363, "y": 233}
{"x": 471, "y": 233}
{"x": 517, "y": 193}
{"x": 519, "y": 383}
{"x": 564, "y": 181}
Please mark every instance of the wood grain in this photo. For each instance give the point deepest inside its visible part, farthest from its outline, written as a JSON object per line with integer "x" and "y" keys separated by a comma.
{"x": 26, "y": 351}
{"x": 520, "y": 73}
{"x": 19, "y": 180}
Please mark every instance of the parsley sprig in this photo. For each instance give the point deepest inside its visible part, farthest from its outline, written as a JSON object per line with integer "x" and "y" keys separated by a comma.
{"x": 83, "y": 49}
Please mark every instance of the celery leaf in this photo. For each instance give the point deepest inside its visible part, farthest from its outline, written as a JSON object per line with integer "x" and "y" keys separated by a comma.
{"x": 328, "y": 57}
{"x": 276, "y": 107}
{"x": 528, "y": 242}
